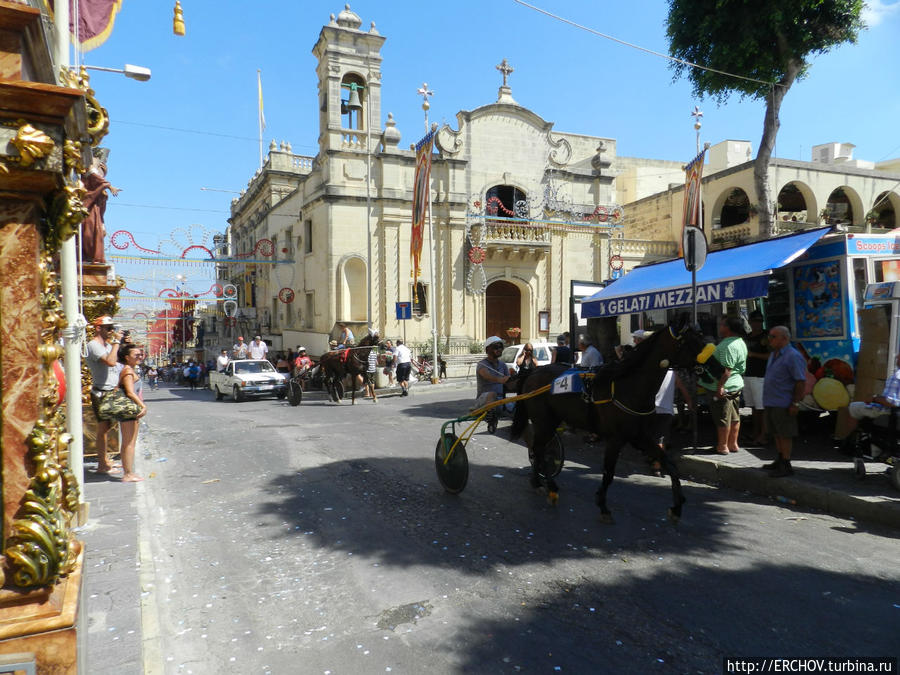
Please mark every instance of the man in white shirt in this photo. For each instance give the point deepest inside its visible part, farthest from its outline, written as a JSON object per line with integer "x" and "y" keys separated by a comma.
{"x": 258, "y": 348}
{"x": 240, "y": 349}
{"x": 404, "y": 366}
{"x": 222, "y": 360}
{"x": 590, "y": 356}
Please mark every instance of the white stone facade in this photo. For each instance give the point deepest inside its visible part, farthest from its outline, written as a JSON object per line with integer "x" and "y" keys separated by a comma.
{"x": 539, "y": 203}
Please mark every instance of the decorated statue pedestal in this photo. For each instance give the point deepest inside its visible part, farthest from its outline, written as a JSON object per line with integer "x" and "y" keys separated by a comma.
{"x": 41, "y": 125}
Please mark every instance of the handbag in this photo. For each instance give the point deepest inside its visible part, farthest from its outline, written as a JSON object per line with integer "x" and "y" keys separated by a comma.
{"x": 116, "y": 406}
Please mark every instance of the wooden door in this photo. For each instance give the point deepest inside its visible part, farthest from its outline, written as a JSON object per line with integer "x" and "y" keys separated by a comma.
{"x": 503, "y": 309}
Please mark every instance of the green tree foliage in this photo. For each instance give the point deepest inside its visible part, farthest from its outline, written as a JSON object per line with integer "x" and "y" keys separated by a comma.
{"x": 768, "y": 41}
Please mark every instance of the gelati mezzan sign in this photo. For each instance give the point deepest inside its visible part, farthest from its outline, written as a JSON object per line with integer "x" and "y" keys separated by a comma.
{"x": 670, "y": 298}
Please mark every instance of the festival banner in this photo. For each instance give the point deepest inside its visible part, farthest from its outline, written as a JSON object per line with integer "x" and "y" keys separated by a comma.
{"x": 95, "y": 20}
{"x": 421, "y": 187}
{"x": 693, "y": 172}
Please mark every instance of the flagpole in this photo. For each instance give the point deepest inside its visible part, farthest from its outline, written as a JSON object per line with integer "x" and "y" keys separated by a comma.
{"x": 435, "y": 369}
{"x": 260, "y": 115}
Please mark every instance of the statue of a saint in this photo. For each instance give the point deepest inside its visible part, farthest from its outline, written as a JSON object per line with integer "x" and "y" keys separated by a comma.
{"x": 93, "y": 229}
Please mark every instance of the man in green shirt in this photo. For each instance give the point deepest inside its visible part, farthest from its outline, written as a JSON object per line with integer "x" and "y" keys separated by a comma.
{"x": 725, "y": 390}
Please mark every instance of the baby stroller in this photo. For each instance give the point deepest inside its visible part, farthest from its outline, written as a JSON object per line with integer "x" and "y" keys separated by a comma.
{"x": 876, "y": 440}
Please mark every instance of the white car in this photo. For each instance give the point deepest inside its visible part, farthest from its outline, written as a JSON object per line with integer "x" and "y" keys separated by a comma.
{"x": 542, "y": 354}
{"x": 247, "y": 378}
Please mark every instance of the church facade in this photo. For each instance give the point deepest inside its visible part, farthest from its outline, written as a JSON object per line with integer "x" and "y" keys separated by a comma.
{"x": 519, "y": 211}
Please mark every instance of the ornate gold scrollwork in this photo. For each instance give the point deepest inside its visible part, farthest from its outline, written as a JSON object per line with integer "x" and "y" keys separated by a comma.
{"x": 32, "y": 144}
{"x": 41, "y": 546}
{"x": 98, "y": 117}
{"x": 64, "y": 212}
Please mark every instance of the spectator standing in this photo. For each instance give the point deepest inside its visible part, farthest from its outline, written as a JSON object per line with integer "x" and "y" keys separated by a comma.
{"x": 491, "y": 373}
{"x": 102, "y": 359}
{"x": 222, "y": 360}
{"x": 371, "y": 369}
{"x": 153, "y": 377}
{"x": 525, "y": 361}
{"x": 130, "y": 356}
{"x": 240, "y": 350}
{"x": 563, "y": 353}
{"x": 725, "y": 391}
{"x": 784, "y": 387}
{"x": 389, "y": 361}
{"x": 590, "y": 357}
{"x": 665, "y": 412}
{"x": 258, "y": 348}
{"x": 404, "y": 366}
{"x": 754, "y": 379}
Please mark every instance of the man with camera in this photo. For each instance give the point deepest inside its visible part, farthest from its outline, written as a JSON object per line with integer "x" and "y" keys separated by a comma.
{"x": 102, "y": 359}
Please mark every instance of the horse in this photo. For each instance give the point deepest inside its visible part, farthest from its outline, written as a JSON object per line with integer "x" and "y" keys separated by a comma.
{"x": 334, "y": 365}
{"x": 617, "y": 404}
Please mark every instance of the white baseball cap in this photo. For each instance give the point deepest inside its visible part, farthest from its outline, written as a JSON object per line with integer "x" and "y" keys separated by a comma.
{"x": 491, "y": 340}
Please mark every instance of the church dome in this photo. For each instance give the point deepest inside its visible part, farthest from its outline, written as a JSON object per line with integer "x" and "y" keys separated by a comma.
{"x": 349, "y": 19}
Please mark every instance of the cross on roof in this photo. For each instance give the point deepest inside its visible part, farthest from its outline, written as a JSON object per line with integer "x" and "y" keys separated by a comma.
{"x": 506, "y": 69}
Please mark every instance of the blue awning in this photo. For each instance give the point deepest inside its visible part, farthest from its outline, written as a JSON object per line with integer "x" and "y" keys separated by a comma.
{"x": 733, "y": 274}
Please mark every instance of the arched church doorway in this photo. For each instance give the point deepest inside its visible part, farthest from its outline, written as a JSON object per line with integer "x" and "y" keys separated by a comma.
{"x": 503, "y": 309}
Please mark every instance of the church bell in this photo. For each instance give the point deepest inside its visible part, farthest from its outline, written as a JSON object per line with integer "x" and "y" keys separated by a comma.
{"x": 353, "y": 103}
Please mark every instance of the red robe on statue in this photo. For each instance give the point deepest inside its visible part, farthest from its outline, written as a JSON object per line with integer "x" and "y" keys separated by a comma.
{"x": 93, "y": 230}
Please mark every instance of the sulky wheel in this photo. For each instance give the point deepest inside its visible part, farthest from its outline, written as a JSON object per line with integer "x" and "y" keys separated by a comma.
{"x": 554, "y": 457}
{"x": 454, "y": 474}
{"x": 295, "y": 393}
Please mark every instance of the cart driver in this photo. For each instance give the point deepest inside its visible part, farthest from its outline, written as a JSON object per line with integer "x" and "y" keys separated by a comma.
{"x": 491, "y": 373}
{"x": 302, "y": 363}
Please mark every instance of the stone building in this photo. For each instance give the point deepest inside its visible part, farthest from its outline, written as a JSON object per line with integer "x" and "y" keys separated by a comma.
{"x": 833, "y": 188}
{"x": 519, "y": 210}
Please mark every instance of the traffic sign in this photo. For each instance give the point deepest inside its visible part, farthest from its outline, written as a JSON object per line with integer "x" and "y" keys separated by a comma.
{"x": 404, "y": 311}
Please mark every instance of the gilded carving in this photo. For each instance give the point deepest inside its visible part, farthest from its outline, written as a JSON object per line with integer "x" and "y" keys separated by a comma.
{"x": 97, "y": 117}
{"x": 41, "y": 547}
{"x": 64, "y": 213}
{"x": 32, "y": 144}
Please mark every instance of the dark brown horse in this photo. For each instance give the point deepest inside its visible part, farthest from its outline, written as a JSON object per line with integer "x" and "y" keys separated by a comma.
{"x": 337, "y": 364}
{"x": 618, "y": 404}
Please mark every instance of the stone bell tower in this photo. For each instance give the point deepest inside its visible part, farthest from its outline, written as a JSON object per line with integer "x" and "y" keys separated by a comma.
{"x": 349, "y": 72}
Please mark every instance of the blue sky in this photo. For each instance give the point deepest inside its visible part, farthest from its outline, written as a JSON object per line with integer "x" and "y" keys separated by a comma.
{"x": 194, "y": 124}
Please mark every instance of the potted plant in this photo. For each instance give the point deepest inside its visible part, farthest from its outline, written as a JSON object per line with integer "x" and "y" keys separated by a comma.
{"x": 514, "y": 333}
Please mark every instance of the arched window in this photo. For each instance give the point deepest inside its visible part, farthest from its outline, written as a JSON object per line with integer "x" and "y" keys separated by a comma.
{"x": 736, "y": 209}
{"x": 501, "y": 201}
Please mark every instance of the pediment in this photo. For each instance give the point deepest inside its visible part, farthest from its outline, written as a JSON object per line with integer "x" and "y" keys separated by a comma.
{"x": 531, "y": 127}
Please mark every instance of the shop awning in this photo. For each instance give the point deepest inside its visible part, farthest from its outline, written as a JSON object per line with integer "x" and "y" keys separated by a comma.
{"x": 733, "y": 274}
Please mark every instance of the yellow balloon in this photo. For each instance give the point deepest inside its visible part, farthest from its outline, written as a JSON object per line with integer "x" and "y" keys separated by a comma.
{"x": 831, "y": 394}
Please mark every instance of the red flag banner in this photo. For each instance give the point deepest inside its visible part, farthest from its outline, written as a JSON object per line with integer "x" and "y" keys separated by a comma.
{"x": 95, "y": 20}
{"x": 421, "y": 186}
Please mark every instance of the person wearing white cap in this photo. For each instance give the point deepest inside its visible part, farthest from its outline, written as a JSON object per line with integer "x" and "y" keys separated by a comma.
{"x": 102, "y": 360}
{"x": 638, "y": 336}
{"x": 491, "y": 373}
{"x": 222, "y": 361}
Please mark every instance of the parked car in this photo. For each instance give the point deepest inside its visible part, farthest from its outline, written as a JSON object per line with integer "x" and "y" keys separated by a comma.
{"x": 542, "y": 354}
{"x": 247, "y": 378}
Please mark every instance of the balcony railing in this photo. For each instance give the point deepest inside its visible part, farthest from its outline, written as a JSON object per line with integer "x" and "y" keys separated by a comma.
{"x": 511, "y": 232}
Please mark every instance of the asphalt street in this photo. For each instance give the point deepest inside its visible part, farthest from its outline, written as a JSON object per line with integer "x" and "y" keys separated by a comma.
{"x": 317, "y": 539}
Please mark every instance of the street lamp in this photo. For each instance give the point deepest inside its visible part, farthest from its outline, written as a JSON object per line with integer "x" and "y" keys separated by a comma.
{"x": 139, "y": 73}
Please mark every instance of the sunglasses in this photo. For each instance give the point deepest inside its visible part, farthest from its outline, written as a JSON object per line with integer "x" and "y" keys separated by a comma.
{"x": 497, "y": 347}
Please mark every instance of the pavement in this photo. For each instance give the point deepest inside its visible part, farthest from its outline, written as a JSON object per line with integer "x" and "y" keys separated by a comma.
{"x": 117, "y": 563}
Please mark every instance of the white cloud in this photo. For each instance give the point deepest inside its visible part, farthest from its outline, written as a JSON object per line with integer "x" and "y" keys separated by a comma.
{"x": 876, "y": 11}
